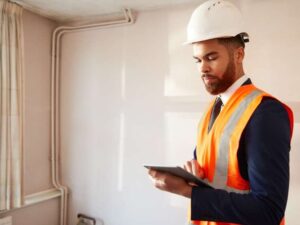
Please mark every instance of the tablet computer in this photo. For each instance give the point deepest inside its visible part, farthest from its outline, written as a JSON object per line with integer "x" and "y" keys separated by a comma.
{"x": 180, "y": 172}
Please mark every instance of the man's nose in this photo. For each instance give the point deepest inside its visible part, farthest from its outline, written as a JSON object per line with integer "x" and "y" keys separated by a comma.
{"x": 204, "y": 67}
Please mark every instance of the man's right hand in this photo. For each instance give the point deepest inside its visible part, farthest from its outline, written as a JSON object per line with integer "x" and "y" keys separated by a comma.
{"x": 194, "y": 168}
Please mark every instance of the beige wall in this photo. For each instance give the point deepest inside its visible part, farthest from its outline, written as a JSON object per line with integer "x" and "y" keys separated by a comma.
{"x": 45, "y": 213}
{"x": 37, "y": 56}
{"x": 37, "y": 46}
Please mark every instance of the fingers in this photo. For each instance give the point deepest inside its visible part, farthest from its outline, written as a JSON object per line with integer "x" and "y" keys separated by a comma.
{"x": 163, "y": 180}
{"x": 188, "y": 166}
{"x": 193, "y": 167}
{"x": 157, "y": 178}
{"x": 170, "y": 183}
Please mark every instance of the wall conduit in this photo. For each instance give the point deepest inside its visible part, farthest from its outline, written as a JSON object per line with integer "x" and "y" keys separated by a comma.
{"x": 55, "y": 97}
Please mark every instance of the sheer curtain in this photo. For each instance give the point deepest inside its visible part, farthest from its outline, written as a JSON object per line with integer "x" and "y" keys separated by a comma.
{"x": 11, "y": 105}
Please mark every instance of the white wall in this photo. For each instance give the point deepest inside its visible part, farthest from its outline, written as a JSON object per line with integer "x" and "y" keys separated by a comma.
{"x": 131, "y": 95}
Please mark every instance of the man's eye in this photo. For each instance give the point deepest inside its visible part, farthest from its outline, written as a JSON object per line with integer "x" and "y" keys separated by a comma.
{"x": 211, "y": 58}
{"x": 197, "y": 61}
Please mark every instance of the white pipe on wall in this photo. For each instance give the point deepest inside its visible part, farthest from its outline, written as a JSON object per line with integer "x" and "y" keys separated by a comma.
{"x": 55, "y": 96}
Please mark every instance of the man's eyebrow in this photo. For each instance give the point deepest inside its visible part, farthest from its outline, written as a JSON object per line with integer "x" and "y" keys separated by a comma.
{"x": 211, "y": 53}
{"x": 206, "y": 55}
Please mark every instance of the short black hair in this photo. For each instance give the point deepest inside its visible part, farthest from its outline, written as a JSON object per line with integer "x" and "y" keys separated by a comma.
{"x": 236, "y": 41}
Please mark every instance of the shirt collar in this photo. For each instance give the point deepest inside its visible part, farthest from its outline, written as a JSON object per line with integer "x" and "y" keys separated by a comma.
{"x": 229, "y": 92}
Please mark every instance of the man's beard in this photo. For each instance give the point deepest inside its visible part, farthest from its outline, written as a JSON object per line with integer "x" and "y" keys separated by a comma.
{"x": 220, "y": 85}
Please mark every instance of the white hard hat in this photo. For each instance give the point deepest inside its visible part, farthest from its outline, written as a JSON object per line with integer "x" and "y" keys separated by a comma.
{"x": 215, "y": 19}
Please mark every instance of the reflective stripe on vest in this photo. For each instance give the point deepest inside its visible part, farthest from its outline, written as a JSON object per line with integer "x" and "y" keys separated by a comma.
{"x": 220, "y": 178}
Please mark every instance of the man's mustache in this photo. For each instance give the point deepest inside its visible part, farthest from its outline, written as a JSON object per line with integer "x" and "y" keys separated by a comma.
{"x": 206, "y": 75}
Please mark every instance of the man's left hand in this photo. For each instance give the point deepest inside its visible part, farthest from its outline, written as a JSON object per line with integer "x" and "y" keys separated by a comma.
{"x": 170, "y": 183}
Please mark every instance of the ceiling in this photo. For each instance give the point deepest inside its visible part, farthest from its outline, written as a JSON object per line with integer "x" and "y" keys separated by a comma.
{"x": 76, "y": 10}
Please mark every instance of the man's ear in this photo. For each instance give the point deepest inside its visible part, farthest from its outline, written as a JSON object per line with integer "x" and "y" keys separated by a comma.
{"x": 239, "y": 55}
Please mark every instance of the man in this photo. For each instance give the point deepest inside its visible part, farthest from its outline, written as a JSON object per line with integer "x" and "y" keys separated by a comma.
{"x": 244, "y": 137}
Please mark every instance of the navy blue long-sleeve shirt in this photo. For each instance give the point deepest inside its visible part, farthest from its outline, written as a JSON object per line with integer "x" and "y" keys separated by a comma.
{"x": 263, "y": 157}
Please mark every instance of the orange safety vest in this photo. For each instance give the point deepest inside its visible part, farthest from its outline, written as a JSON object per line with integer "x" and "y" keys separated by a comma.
{"x": 217, "y": 149}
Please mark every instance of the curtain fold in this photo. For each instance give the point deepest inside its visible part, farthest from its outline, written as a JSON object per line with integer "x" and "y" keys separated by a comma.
{"x": 11, "y": 105}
